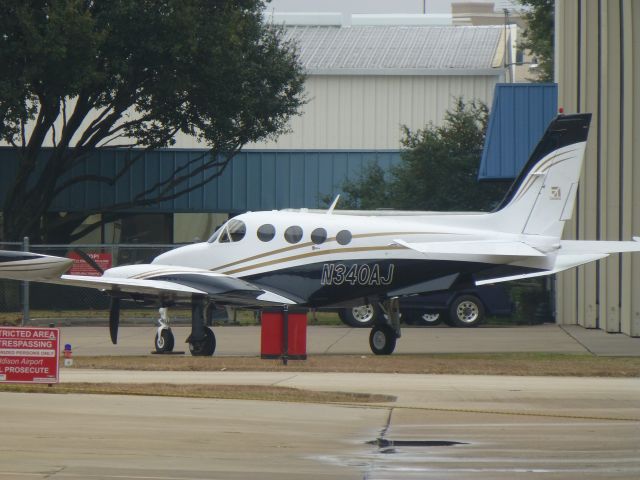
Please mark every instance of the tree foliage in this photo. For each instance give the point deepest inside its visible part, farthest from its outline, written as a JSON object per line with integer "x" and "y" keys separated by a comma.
{"x": 79, "y": 75}
{"x": 438, "y": 168}
{"x": 538, "y": 37}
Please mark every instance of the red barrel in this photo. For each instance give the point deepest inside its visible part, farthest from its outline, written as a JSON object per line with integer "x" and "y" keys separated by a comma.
{"x": 276, "y": 342}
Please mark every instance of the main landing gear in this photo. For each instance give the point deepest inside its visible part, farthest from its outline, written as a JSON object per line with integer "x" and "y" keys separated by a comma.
{"x": 386, "y": 331}
{"x": 202, "y": 340}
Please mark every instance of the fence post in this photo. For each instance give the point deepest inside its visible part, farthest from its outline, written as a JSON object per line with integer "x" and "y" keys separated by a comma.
{"x": 25, "y": 288}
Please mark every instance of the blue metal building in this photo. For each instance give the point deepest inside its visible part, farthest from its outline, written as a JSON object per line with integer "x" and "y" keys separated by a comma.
{"x": 254, "y": 180}
{"x": 519, "y": 116}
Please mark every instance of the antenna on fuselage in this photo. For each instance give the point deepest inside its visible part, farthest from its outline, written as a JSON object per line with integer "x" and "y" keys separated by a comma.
{"x": 333, "y": 205}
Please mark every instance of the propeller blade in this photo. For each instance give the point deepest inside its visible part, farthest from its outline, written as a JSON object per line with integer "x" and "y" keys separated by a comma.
{"x": 90, "y": 261}
{"x": 114, "y": 319}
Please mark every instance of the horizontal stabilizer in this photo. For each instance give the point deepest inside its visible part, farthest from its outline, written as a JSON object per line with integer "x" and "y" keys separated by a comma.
{"x": 473, "y": 248}
{"x": 563, "y": 262}
{"x": 595, "y": 247}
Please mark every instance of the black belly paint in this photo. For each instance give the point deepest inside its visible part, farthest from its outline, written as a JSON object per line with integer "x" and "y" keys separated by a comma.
{"x": 329, "y": 283}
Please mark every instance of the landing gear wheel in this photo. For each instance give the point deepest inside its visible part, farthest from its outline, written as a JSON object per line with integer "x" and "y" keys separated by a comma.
{"x": 204, "y": 347}
{"x": 382, "y": 340}
{"x": 466, "y": 311}
{"x": 164, "y": 341}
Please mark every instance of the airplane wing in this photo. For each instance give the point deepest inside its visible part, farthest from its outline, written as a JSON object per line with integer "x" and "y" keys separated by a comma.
{"x": 221, "y": 288}
{"x": 145, "y": 279}
{"x": 473, "y": 248}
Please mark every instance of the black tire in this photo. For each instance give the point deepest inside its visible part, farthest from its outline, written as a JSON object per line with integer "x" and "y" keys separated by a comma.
{"x": 164, "y": 342}
{"x": 363, "y": 316}
{"x": 422, "y": 318}
{"x": 466, "y": 311}
{"x": 205, "y": 347}
{"x": 408, "y": 317}
{"x": 382, "y": 340}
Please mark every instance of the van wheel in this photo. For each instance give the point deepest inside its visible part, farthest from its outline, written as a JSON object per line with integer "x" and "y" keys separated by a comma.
{"x": 466, "y": 311}
{"x": 359, "y": 317}
{"x": 422, "y": 317}
{"x": 430, "y": 318}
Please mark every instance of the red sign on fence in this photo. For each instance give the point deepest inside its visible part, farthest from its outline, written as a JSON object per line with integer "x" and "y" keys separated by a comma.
{"x": 82, "y": 267}
{"x": 29, "y": 355}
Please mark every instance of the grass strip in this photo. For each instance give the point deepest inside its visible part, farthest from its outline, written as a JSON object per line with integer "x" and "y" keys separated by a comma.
{"x": 519, "y": 364}
{"x": 234, "y": 392}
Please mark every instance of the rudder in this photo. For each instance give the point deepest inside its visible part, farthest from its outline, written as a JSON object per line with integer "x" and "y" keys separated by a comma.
{"x": 543, "y": 195}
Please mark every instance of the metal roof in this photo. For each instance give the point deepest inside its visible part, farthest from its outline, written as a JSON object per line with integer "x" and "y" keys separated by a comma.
{"x": 398, "y": 49}
{"x": 519, "y": 117}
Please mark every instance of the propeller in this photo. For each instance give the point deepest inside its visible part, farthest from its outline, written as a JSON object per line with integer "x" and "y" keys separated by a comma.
{"x": 90, "y": 261}
{"x": 114, "y": 319}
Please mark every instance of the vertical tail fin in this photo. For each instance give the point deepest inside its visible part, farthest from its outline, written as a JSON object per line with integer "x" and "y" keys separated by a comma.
{"x": 543, "y": 195}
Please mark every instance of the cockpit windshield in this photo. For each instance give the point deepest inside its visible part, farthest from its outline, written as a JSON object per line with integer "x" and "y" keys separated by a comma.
{"x": 232, "y": 231}
{"x": 216, "y": 234}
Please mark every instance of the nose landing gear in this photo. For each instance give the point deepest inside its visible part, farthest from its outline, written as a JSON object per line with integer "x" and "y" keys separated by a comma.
{"x": 164, "y": 341}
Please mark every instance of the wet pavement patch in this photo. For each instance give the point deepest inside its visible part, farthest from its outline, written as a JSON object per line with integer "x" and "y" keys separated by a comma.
{"x": 383, "y": 443}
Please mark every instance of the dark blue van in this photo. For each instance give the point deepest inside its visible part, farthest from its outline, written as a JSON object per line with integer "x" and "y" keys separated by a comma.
{"x": 458, "y": 308}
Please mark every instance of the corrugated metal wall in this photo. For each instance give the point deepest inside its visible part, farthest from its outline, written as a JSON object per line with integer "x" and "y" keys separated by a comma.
{"x": 520, "y": 114}
{"x": 366, "y": 112}
{"x": 598, "y": 71}
{"x": 254, "y": 180}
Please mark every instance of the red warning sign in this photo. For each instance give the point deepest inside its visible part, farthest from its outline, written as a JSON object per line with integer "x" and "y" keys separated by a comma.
{"x": 82, "y": 267}
{"x": 29, "y": 355}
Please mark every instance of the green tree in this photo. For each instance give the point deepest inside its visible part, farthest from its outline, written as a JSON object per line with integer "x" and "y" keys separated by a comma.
{"x": 83, "y": 75}
{"x": 369, "y": 192}
{"x": 538, "y": 36}
{"x": 438, "y": 168}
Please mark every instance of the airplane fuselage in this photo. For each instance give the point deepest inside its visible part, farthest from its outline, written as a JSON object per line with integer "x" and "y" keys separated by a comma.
{"x": 319, "y": 259}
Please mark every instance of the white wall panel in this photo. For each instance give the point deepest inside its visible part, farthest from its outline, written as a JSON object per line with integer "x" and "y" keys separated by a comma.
{"x": 599, "y": 71}
{"x": 366, "y": 112}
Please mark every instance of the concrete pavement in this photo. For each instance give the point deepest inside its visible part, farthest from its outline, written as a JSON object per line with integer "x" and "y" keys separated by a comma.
{"x": 442, "y": 427}
{"x": 451, "y": 427}
{"x": 572, "y": 397}
{"x": 232, "y": 340}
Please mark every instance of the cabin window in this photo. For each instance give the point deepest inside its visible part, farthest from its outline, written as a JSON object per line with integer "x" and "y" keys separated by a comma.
{"x": 343, "y": 237}
{"x": 318, "y": 236}
{"x": 293, "y": 234}
{"x": 234, "y": 231}
{"x": 266, "y": 232}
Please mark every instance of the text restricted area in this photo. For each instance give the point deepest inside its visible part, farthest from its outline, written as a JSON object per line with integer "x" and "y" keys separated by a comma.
{"x": 29, "y": 355}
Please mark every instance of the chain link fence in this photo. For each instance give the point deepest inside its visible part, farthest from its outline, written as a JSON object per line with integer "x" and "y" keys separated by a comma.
{"x": 21, "y": 302}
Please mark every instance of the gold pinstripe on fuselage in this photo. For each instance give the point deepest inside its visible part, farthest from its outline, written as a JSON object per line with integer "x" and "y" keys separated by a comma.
{"x": 313, "y": 254}
{"x": 311, "y": 244}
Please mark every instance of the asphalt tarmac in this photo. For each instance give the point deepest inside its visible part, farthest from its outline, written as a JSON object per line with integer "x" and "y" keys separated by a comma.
{"x": 440, "y": 427}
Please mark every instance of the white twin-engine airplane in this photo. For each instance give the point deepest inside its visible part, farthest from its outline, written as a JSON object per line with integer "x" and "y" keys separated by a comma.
{"x": 305, "y": 259}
